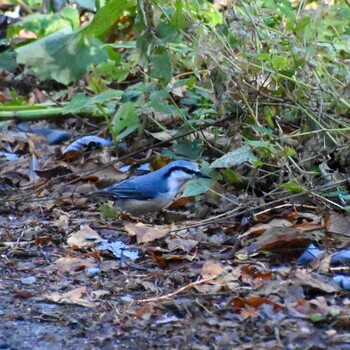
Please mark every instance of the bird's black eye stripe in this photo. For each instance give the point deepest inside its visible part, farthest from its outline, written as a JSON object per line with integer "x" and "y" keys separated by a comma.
{"x": 175, "y": 168}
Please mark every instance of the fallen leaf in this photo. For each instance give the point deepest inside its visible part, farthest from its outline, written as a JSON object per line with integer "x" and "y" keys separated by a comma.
{"x": 254, "y": 301}
{"x": 23, "y": 294}
{"x": 261, "y": 228}
{"x": 69, "y": 264}
{"x": 85, "y": 237}
{"x": 338, "y": 223}
{"x": 146, "y": 233}
{"x": 284, "y": 240}
{"x": 74, "y": 296}
{"x": 220, "y": 278}
{"x": 212, "y": 268}
{"x": 175, "y": 243}
{"x": 314, "y": 280}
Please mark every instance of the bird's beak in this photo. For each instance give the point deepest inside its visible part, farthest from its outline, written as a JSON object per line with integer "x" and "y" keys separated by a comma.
{"x": 203, "y": 176}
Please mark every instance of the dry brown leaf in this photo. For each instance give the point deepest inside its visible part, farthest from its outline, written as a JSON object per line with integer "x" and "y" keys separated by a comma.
{"x": 254, "y": 301}
{"x": 146, "y": 233}
{"x": 106, "y": 175}
{"x": 284, "y": 240}
{"x": 338, "y": 223}
{"x": 212, "y": 268}
{"x": 220, "y": 278}
{"x": 161, "y": 135}
{"x": 69, "y": 264}
{"x": 74, "y": 296}
{"x": 61, "y": 219}
{"x": 83, "y": 238}
{"x": 261, "y": 228}
{"x": 315, "y": 281}
{"x": 176, "y": 242}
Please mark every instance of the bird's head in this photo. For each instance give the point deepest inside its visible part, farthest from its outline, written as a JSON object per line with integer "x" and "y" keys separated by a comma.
{"x": 177, "y": 173}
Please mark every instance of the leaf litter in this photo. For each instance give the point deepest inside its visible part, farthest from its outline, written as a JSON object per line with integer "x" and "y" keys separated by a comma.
{"x": 165, "y": 275}
{"x": 68, "y": 262}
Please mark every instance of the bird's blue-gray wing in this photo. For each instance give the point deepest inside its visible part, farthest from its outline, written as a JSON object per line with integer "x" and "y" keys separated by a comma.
{"x": 134, "y": 189}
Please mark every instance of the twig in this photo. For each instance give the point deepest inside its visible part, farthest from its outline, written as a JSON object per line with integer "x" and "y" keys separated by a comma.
{"x": 246, "y": 211}
{"x": 180, "y": 290}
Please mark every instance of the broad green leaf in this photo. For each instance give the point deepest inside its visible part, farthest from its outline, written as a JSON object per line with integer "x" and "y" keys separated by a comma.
{"x": 8, "y": 60}
{"x": 107, "y": 16}
{"x": 178, "y": 19}
{"x": 43, "y": 25}
{"x": 197, "y": 186}
{"x": 161, "y": 67}
{"x": 110, "y": 71}
{"x": 189, "y": 149}
{"x": 125, "y": 121}
{"x": 81, "y": 102}
{"x": 158, "y": 103}
{"x": 235, "y": 157}
{"x": 162, "y": 107}
{"x": 63, "y": 56}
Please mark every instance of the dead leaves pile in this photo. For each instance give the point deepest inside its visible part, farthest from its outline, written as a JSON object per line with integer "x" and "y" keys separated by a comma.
{"x": 64, "y": 251}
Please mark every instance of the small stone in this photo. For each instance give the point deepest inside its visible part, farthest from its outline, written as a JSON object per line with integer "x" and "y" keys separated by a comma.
{"x": 28, "y": 280}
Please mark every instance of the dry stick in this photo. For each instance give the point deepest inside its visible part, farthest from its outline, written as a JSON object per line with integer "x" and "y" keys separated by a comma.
{"x": 170, "y": 295}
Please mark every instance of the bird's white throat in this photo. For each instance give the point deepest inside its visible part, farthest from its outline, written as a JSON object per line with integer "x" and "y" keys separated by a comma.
{"x": 177, "y": 179}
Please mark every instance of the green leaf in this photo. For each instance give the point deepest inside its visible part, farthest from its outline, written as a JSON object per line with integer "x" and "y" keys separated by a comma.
{"x": 235, "y": 157}
{"x": 289, "y": 151}
{"x": 263, "y": 130}
{"x": 280, "y": 62}
{"x": 8, "y": 60}
{"x": 83, "y": 103}
{"x": 43, "y": 25}
{"x": 107, "y": 16}
{"x": 293, "y": 187}
{"x": 125, "y": 121}
{"x": 189, "y": 149}
{"x": 63, "y": 56}
{"x": 161, "y": 67}
{"x": 231, "y": 176}
{"x": 302, "y": 24}
{"x": 197, "y": 186}
{"x": 123, "y": 45}
{"x": 158, "y": 103}
{"x": 317, "y": 318}
{"x": 178, "y": 19}
{"x": 108, "y": 211}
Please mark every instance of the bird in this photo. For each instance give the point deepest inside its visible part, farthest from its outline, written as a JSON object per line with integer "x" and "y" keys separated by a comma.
{"x": 154, "y": 191}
